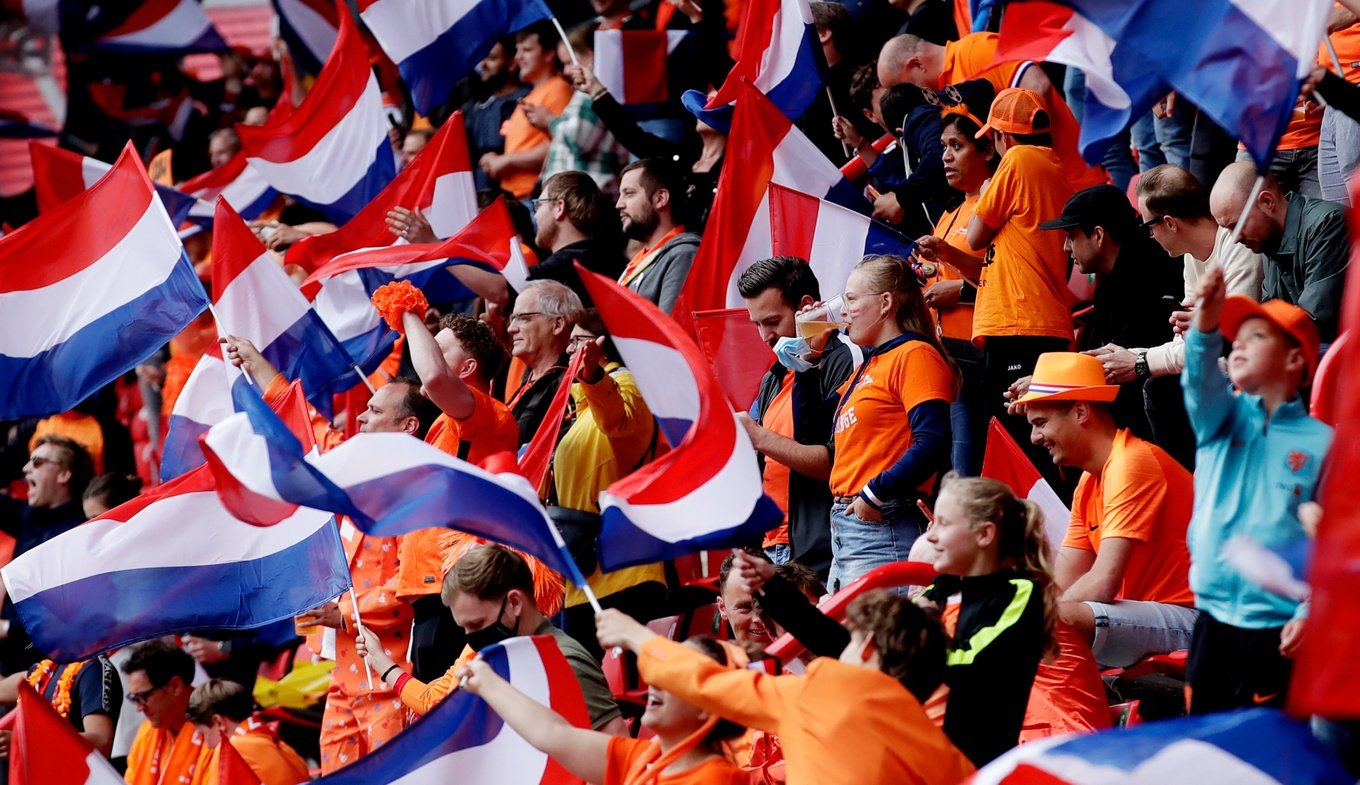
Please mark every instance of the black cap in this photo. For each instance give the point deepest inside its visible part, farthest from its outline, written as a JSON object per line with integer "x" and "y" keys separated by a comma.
{"x": 1099, "y": 205}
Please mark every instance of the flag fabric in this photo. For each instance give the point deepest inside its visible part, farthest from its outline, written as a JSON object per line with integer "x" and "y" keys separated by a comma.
{"x": 61, "y": 175}
{"x": 46, "y": 750}
{"x": 173, "y": 559}
{"x": 705, "y": 493}
{"x": 342, "y": 288}
{"x": 1239, "y": 61}
{"x": 332, "y": 152}
{"x": 763, "y": 148}
{"x": 310, "y": 28}
{"x": 16, "y": 125}
{"x": 1004, "y": 460}
{"x": 232, "y": 769}
{"x": 831, "y": 238}
{"x": 733, "y": 348}
{"x": 435, "y": 43}
{"x": 204, "y": 400}
{"x": 778, "y": 54}
{"x": 1120, "y": 85}
{"x": 1259, "y": 746}
{"x": 634, "y": 65}
{"x": 387, "y": 483}
{"x": 537, "y": 455}
{"x": 41, "y": 16}
{"x": 113, "y": 286}
{"x": 463, "y": 740}
{"x": 1324, "y": 672}
{"x": 164, "y": 27}
{"x": 242, "y": 186}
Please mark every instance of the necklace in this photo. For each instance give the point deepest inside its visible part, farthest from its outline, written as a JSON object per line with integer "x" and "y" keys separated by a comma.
{"x": 41, "y": 677}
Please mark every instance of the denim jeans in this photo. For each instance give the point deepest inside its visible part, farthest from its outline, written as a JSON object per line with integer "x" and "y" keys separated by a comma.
{"x": 779, "y": 554}
{"x": 859, "y": 546}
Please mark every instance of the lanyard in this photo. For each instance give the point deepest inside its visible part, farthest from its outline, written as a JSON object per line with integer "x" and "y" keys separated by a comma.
{"x": 883, "y": 348}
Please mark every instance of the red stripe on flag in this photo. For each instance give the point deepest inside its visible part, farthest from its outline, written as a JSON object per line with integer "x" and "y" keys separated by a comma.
{"x": 538, "y": 454}
{"x": 645, "y": 75}
{"x": 218, "y": 178}
{"x": 793, "y": 221}
{"x": 1033, "y": 33}
{"x": 58, "y": 175}
{"x": 756, "y": 31}
{"x": 234, "y": 248}
{"x": 733, "y": 347}
{"x": 148, "y": 13}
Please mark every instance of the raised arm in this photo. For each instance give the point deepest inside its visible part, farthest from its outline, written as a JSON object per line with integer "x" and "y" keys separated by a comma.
{"x": 442, "y": 384}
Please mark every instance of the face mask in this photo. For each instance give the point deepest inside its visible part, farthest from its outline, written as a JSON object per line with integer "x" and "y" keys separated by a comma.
{"x": 492, "y": 633}
{"x": 792, "y": 353}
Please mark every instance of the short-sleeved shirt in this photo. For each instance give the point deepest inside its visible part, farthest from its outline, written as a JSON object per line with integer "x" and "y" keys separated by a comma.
{"x": 1141, "y": 494}
{"x": 554, "y": 93}
{"x": 779, "y": 418}
{"x": 623, "y": 753}
{"x": 490, "y": 429}
{"x": 971, "y": 57}
{"x": 1024, "y": 288}
{"x": 957, "y": 322}
{"x": 872, "y": 430}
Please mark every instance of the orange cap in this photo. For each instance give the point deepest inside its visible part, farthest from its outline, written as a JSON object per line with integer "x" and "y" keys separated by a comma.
{"x": 1013, "y": 112}
{"x": 1293, "y": 320}
{"x": 1068, "y": 376}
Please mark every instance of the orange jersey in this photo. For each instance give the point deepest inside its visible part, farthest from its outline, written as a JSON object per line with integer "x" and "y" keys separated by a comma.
{"x": 488, "y": 430}
{"x": 971, "y": 57}
{"x": 159, "y": 757}
{"x": 779, "y": 418}
{"x": 957, "y": 322}
{"x": 623, "y": 754}
{"x": 1141, "y": 494}
{"x": 882, "y": 736}
{"x": 519, "y": 135}
{"x": 1024, "y": 288}
{"x": 872, "y": 430}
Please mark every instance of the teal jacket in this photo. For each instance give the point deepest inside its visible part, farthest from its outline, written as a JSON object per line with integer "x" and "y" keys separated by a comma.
{"x": 1251, "y": 475}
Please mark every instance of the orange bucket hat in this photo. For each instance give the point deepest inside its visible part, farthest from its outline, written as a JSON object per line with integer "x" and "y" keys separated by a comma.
{"x": 1068, "y": 376}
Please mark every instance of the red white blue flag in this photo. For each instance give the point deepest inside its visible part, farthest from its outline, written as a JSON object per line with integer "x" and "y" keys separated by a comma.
{"x": 634, "y": 65}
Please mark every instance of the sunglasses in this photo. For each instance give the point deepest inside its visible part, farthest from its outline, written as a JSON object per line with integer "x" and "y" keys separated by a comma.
{"x": 39, "y": 462}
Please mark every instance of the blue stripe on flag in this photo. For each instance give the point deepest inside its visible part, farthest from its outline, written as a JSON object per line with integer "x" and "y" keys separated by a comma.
{"x": 308, "y": 352}
{"x": 379, "y": 174}
{"x": 626, "y": 545}
{"x": 182, "y": 451}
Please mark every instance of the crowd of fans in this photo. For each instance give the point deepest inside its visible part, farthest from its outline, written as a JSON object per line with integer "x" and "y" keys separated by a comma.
{"x": 1148, "y": 331}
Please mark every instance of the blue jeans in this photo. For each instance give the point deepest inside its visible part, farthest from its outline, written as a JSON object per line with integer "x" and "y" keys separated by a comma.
{"x": 779, "y": 554}
{"x": 858, "y": 547}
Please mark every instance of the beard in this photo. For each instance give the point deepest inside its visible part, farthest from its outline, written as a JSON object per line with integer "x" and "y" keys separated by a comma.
{"x": 641, "y": 227}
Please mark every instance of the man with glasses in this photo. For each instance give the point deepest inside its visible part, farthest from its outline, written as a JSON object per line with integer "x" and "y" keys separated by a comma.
{"x": 1133, "y": 274}
{"x": 168, "y": 748}
{"x": 575, "y": 223}
{"x": 540, "y": 330}
{"x": 57, "y": 471}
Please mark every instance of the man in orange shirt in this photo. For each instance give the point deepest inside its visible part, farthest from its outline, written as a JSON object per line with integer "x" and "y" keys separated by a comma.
{"x": 167, "y": 749}
{"x": 908, "y": 58}
{"x": 526, "y": 146}
{"x": 1124, "y": 570}
{"x": 456, "y": 367}
{"x": 222, "y": 712}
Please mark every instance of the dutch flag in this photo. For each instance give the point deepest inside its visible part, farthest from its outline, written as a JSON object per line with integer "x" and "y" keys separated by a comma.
{"x": 242, "y": 186}
{"x": 164, "y": 27}
{"x": 61, "y": 175}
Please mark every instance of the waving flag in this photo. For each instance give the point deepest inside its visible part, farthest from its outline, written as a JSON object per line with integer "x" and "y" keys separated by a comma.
{"x": 634, "y": 65}
{"x": 309, "y": 27}
{"x": 61, "y": 175}
{"x": 1259, "y": 746}
{"x": 1006, "y": 462}
{"x": 1240, "y": 61}
{"x": 17, "y": 125}
{"x": 332, "y": 152}
{"x": 46, "y": 750}
{"x": 387, "y": 483}
{"x": 463, "y": 740}
{"x": 171, "y": 560}
{"x": 41, "y": 16}
{"x": 435, "y": 43}
{"x": 763, "y": 148}
{"x": 706, "y": 492}
{"x": 342, "y": 288}
{"x": 164, "y": 27}
{"x": 244, "y": 188}
{"x": 437, "y": 184}
{"x": 831, "y": 238}
{"x": 205, "y": 400}
{"x": 113, "y": 286}
{"x": 778, "y": 55}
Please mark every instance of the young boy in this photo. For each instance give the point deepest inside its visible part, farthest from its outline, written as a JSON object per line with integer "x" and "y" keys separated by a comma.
{"x": 1259, "y": 456}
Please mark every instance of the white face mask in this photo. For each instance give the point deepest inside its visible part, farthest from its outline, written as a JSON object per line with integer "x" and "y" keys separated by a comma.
{"x": 793, "y": 353}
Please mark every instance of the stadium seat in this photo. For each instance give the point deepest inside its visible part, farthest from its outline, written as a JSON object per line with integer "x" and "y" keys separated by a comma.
{"x": 1125, "y": 715}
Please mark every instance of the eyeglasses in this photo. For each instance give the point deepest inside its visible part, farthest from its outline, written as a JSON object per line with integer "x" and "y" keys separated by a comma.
{"x": 1151, "y": 222}
{"x": 542, "y": 200}
{"x": 577, "y": 340}
{"x": 139, "y": 699}
{"x": 521, "y": 318}
{"x": 39, "y": 461}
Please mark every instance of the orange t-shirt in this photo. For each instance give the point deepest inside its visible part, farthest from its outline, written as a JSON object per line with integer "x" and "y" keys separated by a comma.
{"x": 1141, "y": 494}
{"x": 1347, "y": 43}
{"x": 623, "y": 753}
{"x": 554, "y": 93}
{"x": 159, "y": 757}
{"x": 1024, "y": 289}
{"x": 957, "y": 322}
{"x": 971, "y": 57}
{"x": 271, "y": 760}
{"x": 872, "y": 430}
{"x": 779, "y": 418}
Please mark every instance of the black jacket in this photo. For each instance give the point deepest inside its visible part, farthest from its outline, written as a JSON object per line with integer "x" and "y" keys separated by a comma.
{"x": 598, "y": 256}
{"x": 814, "y": 403}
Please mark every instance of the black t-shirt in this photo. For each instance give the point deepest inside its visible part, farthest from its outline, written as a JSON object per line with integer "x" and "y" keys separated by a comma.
{"x": 97, "y": 691}
{"x": 597, "y": 256}
{"x": 531, "y": 403}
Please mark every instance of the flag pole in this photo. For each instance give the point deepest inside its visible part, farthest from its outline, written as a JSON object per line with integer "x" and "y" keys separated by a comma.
{"x": 563, "y": 33}
{"x": 363, "y": 378}
{"x": 830, "y": 99}
{"x": 359, "y": 622}
{"x": 1246, "y": 208}
{"x": 222, "y": 331}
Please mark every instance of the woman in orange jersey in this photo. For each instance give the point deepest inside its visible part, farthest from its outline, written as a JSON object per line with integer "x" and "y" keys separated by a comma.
{"x": 687, "y": 748}
{"x": 891, "y": 428}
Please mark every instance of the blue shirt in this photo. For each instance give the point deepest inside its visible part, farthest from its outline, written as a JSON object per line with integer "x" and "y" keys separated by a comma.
{"x": 1251, "y": 474}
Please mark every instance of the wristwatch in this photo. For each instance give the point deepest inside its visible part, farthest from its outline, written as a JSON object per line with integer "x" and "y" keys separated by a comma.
{"x": 1140, "y": 366}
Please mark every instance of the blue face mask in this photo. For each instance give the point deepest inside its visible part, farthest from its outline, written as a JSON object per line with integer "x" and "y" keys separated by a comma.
{"x": 793, "y": 353}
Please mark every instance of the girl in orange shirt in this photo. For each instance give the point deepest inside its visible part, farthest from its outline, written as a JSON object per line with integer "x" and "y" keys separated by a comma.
{"x": 891, "y": 427}
{"x": 687, "y": 749}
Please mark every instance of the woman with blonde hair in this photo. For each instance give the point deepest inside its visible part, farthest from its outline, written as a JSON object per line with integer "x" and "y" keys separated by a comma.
{"x": 991, "y": 546}
{"x": 891, "y": 429}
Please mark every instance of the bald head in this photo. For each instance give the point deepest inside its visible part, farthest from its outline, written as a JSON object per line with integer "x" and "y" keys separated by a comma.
{"x": 910, "y": 59}
{"x": 1265, "y": 222}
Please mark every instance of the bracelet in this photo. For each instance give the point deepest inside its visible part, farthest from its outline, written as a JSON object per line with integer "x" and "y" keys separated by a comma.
{"x": 601, "y": 93}
{"x": 388, "y": 671}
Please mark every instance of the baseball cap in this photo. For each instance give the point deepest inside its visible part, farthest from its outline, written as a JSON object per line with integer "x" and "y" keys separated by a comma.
{"x": 1013, "y": 112}
{"x": 1293, "y": 320}
{"x": 1099, "y": 205}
